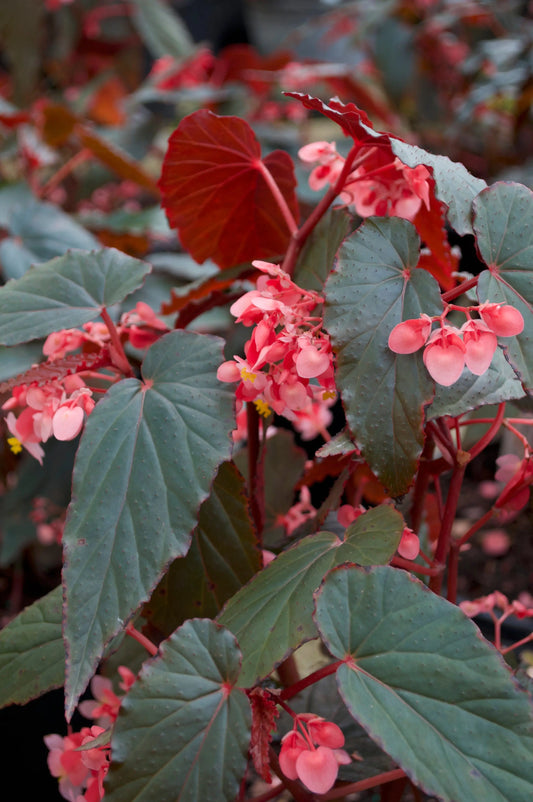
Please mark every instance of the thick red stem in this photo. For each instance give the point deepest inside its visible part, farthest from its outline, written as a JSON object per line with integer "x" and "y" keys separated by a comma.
{"x": 297, "y": 687}
{"x": 450, "y": 510}
{"x": 150, "y": 647}
{"x": 118, "y": 356}
{"x": 371, "y": 782}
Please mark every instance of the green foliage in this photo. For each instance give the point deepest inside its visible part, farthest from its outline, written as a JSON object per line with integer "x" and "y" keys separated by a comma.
{"x": 375, "y": 286}
{"x": 145, "y": 464}
{"x": 272, "y": 615}
{"x": 424, "y": 684}
{"x": 66, "y": 292}
{"x": 184, "y": 729}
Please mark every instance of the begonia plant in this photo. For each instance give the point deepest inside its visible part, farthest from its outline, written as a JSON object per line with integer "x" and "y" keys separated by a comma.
{"x": 262, "y": 455}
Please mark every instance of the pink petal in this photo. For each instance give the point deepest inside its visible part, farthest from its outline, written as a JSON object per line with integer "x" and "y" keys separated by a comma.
{"x": 409, "y": 336}
{"x": 409, "y": 545}
{"x": 317, "y": 769}
{"x": 311, "y": 362}
{"x": 503, "y": 319}
{"x": 445, "y": 363}
{"x": 67, "y": 422}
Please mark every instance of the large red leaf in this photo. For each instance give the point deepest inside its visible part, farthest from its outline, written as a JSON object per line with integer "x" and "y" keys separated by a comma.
{"x": 353, "y": 121}
{"x": 216, "y": 194}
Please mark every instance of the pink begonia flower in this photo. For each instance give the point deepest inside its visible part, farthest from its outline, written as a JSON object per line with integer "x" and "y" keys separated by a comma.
{"x": 104, "y": 709}
{"x": 346, "y": 514}
{"x": 314, "y": 755}
{"x": 495, "y": 542}
{"x": 67, "y": 422}
{"x": 317, "y": 769}
{"x": 409, "y": 545}
{"x": 503, "y": 319}
{"x": 30, "y": 442}
{"x": 444, "y": 355}
{"x": 480, "y": 344}
{"x": 409, "y": 336}
{"x": 381, "y": 185}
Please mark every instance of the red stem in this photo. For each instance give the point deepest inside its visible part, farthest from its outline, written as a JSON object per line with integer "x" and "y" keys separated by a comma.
{"x": 300, "y": 236}
{"x": 490, "y": 434}
{"x": 448, "y": 518}
{"x": 255, "y": 483}
{"x": 320, "y": 673}
{"x": 474, "y": 528}
{"x": 278, "y": 196}
{"x": 527, "y": 639}
{"x": 363, "y": 785}
{"x": 421, "y": 484}
{"x": 409, "y": 565}
{"x": 117, "y": 352}
{"x": 150, "y": 647}
{"x": 453, "y": 571}
{"x": 460, "y": 289}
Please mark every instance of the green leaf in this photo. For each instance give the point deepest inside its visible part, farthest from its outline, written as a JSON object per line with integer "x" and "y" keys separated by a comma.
{"x": 504, "y": 235}
{"x": 39, "y": 232}
{"x": 427, "y": 687}
{"x": 455, "y": 186}
{"x": 375, "y": 286}
{"x": 223, "y": 556}
{"x": 18, "y": 359}
{"x": 499, "y": 383}
{"x": 145, "y": 464}
{"x": 32, "y": 654}
{"x": 503, "y": 226}
{"x": 272, "y": 615}
{"x": 66, "y": 292}
{"x": 161, "y": 29}
{"x": 316, "y": 259}
{"x": 183, "y": 730}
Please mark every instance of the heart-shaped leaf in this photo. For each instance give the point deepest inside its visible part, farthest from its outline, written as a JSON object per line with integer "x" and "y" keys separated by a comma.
{"x": 32, "y": 654}
{"x": 145, "y": 464}
{"x": 375, "y": 286}
{"x": 272, "y": 615}
{"x": 427, "y": 687}
{"x": 217, "y": 191}
{"x": 504, "y": 236}
{"x": 184, "y": 728}
{"x": 66, "y": 292}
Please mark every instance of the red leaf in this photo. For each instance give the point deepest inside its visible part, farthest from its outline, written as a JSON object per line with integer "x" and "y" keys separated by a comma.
{"x": 215, "y": 192}
{"x": 353, "y": 121}
{"x": 441, "y": 262}
{"x": 264, "y": 714}
{"x": 45, "y": 372}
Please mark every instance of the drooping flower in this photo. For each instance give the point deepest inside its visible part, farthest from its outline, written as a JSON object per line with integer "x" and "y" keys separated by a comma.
{"x": 480, "y": 344}
{"x": 312, "y": 752}
{"x": 409, "y": 336}
{"x": 503, "y": 319}
{"x": 444, "y": 355}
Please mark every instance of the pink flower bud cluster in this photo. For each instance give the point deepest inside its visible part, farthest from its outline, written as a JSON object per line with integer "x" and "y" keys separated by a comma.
{"x": 288, "y": 362}
{"x": 496, "y": 600}
{"x": 448, "y": 349}
{"x": 312, "y": 752}
{"x": 81, "y": 773}
{"x": 58, "y": 408}
{"x": 380, "y": 185}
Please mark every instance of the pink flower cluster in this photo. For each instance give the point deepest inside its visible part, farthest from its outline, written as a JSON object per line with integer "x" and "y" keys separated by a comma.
{"x": 487, "y": 604}
{"x": 380, "y": 185}
{"x": 312, "y": 752}
{"x": 57, "y": 408}
{"x": 447, "y": 349}
{"x": 81, "y": 773}
{"x": 288, "y": 362}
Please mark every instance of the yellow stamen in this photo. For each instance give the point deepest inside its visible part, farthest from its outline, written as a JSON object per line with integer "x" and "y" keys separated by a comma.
{"x": 262, "y": 407}
{"x": 328, "y": 394}
{"x": 14, "y": 444}
{"x": 246, "y": 375}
